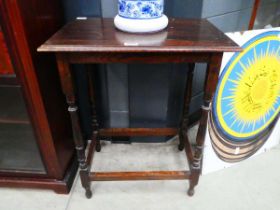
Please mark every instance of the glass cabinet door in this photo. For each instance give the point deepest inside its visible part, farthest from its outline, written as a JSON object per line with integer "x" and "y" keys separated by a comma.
{"x": 18, "y": 147}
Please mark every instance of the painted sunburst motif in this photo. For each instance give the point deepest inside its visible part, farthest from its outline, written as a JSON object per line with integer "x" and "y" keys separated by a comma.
{"x": 248, "y": 97}
{"x": 255, "y": 96}
{"x": 247, "y": 100}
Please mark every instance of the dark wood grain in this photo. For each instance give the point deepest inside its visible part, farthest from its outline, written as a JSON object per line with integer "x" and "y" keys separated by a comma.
{"x": 211, "y": 81}
{"x": 25, "y": 71}
{"x": 143, "y": 175}
{"x": 97, "y": 41}
{"x": 26, "y": 24}
{"x": 139, "y": 57}
{"x": 6, "y": 67}
{"x": 94, "y": 119}
{"x": 100, "y": 35}
{"x": 138, "y": 132}
{"x": 25, "y": 181}
{"x": 183, "y": 133}
{"x": 91, "y": 150}
{"x": 67, "y": 83}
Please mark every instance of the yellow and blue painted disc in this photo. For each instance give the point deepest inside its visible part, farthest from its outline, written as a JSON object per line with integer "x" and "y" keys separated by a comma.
{"x": 247, "y": 99}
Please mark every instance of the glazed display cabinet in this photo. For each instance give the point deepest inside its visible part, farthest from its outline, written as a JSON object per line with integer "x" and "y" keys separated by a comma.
{"x": 36, "y": 144}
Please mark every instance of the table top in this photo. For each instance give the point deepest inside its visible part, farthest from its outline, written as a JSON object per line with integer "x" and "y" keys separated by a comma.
{"x": 100, "y": 35}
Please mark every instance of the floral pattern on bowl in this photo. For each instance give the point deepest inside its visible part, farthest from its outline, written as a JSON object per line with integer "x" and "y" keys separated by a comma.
{"x": 141, "y": 9}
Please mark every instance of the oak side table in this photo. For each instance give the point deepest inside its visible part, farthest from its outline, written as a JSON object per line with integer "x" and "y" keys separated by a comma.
{"x": 97, "y": 41}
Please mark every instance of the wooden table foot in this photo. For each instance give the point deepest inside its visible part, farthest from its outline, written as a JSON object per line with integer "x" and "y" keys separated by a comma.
{"x": 88, "y": 193}
{"x": 98, "y": 145}
{"x": 190, "y": 192}
{"x": 181, "y": 147}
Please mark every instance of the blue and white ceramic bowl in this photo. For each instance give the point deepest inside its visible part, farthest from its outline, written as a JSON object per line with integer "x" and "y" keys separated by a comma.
{"x": 141, "y": 9}
{"x": 141, "y": 16}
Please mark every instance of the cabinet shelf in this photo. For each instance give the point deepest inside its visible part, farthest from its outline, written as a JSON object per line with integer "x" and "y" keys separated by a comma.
{"x": 14, "y": 121}
{"x": 12, "y": 106}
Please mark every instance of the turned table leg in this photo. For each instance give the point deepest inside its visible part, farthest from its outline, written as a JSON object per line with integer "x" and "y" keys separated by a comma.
{"x": 183, "y": 132}
{"x": 210, "y": 86}
{"x": 84, "y": 168}
{"x": 68, "y": 89}
{"x": 94, "y": 121}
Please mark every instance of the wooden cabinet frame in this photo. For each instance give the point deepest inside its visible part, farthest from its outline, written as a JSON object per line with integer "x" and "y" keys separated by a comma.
{"x": 26, "y": 24}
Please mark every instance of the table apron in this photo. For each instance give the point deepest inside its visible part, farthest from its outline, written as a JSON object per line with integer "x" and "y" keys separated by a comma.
{"x": 152, "y": 58}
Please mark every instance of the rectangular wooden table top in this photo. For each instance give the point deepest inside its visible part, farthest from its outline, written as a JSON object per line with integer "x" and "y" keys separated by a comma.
{"x": 97, "y": 41}
{"x": 100, "y": 35}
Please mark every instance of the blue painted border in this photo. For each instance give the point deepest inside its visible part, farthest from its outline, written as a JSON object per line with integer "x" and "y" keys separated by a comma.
{"x": 214, "y": 105}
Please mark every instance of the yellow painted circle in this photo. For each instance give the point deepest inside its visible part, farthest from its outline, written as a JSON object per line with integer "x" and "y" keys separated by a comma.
{"x": 247, "y": 99}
